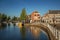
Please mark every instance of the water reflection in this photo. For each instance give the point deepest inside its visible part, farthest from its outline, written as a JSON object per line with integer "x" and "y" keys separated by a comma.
{"x": 23, "y": 33}
{"x": 3, "y": 25}
{"x": 35, "y": 31}
{"x": 9, "y": 24}
{"x": 13, "y": 32}
{"x": 14, "y": 24}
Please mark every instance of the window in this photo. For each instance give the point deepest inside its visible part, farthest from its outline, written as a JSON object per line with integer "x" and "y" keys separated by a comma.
{"x": 35, "y": 15}
{"x": 38, "y": 15}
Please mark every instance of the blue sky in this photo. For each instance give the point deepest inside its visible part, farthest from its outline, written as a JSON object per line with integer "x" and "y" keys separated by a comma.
{"x": 14, "y": 7}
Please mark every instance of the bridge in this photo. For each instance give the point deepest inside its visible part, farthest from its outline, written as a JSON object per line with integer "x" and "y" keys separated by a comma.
{"x": 52, "y": 32}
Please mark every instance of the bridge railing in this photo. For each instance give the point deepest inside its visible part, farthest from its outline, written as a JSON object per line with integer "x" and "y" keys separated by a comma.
{"x": 54, "y": 31}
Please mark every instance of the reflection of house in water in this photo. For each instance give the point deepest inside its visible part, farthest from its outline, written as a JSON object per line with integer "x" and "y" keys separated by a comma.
{"x": 35, "y": 31}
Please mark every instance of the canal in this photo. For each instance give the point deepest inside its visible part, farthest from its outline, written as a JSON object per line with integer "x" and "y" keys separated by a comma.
{"x": 14, "y": 32}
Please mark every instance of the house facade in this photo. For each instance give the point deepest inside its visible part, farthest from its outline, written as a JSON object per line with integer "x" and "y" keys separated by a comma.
{"x": 35, "y": 17}
{"x": 53, "y": 16}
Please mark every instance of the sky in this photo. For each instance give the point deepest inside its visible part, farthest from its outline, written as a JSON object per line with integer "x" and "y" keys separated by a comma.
{"x": 14, "y": 7}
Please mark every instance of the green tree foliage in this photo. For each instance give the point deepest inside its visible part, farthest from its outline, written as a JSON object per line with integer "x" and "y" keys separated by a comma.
{"x": 0, "y": 16}
{"x": 14, "y": 18}
{"x": 8, "y": 18}
{"x": 23, "y": 14}
{"x": 4, "y": 17}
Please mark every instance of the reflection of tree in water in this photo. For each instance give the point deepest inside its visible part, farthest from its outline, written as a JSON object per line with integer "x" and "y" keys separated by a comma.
{"x": 9, "y": 24}
{"x": 3, "y": 25}
{"x": 14, "y": 24}
{"x": 23, "y": 33}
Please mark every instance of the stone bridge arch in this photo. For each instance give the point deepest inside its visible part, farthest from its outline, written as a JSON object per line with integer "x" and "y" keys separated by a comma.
{"x": 45, "y": 28}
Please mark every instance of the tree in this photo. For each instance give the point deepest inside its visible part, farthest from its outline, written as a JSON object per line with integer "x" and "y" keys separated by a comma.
{"x": 0, "y": 15}
{"x": 14, "y": 18}
{"x": 23, "y": 15}
{"x": 8, "y": 18}
{"x": 4, "y": 17}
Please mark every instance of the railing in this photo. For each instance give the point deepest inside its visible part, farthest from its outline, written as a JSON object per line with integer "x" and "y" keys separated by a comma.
{"x": 54, "y": 31}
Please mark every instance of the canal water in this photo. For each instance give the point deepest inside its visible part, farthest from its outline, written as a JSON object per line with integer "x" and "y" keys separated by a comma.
{"x": 14, "y": 32}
